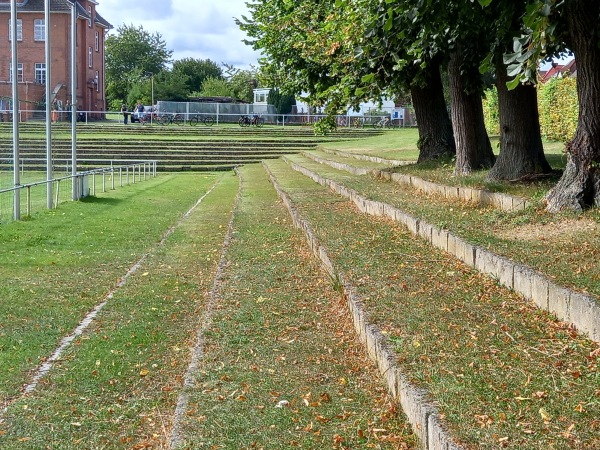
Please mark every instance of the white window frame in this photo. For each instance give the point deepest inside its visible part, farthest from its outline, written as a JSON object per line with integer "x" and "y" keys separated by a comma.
{"x": 97, "y": 81}
{"x": 19, "y": 30}
{"x": 97, "y": 42}
{"x": 39, "y": 30}
{"x": 90, "y": 19}
{"x": 20, "y": 73}
{"x": 90, "y": 58}
{"x": 40, "y": 73}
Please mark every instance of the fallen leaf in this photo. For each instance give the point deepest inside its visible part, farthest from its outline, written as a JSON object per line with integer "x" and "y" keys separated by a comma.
{"x": 547, "y": 417}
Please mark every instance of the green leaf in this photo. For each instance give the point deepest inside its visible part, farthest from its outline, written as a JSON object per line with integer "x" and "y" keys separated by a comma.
{"x": 513, "y": 70}
{"x": 513, "y": 83}
{"x": 368, "y": 78}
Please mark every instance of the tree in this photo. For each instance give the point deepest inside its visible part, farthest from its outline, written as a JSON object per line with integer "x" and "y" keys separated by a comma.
{"x": 216, "y": 87}
{"x": 551, "y": 28}
{"x": 197, "y": 70}
{"x": 242, "y": 84}
{"x": 521, "y": 149}
{"x": 321, "y": 49}
{"x": 167, "y": 85}
{"x": 130, "y": 52}
{"x": 283, "y": 102}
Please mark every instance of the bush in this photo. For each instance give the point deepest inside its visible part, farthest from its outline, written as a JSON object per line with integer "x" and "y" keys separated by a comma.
{"x": 557, "y": 105}
{"x": 490, "y": 112}
{"x": 325, "y": 125}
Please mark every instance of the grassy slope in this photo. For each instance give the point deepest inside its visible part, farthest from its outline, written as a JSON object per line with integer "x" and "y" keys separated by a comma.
{"x": 490, "y": 360}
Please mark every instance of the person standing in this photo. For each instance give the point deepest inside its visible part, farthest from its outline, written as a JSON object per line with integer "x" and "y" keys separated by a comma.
{"x": 125, "y": 113}
{"x": 139, "y": 109}
{"x": 54, "y": 113}
{"x": 69, "y": 112}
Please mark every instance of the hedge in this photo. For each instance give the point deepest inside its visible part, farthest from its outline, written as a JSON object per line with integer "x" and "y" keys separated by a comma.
{"x": 557, "y": 105}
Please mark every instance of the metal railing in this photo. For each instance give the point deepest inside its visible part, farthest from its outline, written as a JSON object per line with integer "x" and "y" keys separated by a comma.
{"x": 71, "y": 187}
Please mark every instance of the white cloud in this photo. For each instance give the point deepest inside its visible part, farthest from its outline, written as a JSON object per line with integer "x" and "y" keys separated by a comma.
{"x": 201, "y": 29}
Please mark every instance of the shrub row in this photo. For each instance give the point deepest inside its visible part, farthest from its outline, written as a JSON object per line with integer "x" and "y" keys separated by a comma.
{"x": 557, "y": 105}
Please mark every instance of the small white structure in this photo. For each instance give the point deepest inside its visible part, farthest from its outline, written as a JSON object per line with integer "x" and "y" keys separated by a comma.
{"x": 396, "y": 114}
{"x": 261, "y": 96}
{"x": 387, "y": 106}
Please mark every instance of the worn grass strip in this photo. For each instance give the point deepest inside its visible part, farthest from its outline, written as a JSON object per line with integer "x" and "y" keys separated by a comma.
{"x": 562, "y": 246}
{"x": 503, "y": 373}
{"x": 281, "y": 365}
{"x": 116, "y": 386}
{"x": 57, "y": 267}
{"x": 197, "y": 352}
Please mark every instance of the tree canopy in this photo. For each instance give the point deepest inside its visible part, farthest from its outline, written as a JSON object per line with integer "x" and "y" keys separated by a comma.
{"x": 131, "y": 53}
{"x": 197, "y": 71}
{"x": 139, "y": 67}
{"x": 344, "y": 51}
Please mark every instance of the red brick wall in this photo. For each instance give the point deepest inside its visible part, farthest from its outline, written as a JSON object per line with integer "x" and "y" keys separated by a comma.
{"x": 30, "y": 52}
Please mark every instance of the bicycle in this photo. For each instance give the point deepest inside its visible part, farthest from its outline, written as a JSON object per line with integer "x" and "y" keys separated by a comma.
{"x": 384, "y": 122}
{"x": 206, "y": 120}
{"x": 357, "y": 122}
{"x": 246, "y": 121}
{"x": 167, "y": 119}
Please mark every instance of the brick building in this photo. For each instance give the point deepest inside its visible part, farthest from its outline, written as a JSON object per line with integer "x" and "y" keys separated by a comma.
{"x": 91, "y": 31}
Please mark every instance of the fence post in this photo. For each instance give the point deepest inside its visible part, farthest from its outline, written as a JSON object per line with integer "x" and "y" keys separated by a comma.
{"x": 28, "y": 201}
{"x": 57, "y": 194}
{"x": 120, "y": 177}
{"x": 112, "y": 176}
{"x": 103, "y": 181}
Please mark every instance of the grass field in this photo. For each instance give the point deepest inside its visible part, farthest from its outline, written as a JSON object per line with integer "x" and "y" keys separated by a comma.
{"x": 211, "y": 325}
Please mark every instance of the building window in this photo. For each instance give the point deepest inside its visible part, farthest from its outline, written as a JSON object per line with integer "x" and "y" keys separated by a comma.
{"x": 39, "y": 30}
{"x": 97, "y": 81}
{"x": 19, "y": 73}
{"x": 40, "y": 73}
{"x": 97, "y": 41}
{"x": 90, "y": 59}
{"x": 19, "y": 30}
{"x": 90, "y": 14}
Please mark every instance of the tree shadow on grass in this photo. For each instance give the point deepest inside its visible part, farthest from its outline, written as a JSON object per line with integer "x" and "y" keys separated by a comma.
{"x": 101, "y": 200}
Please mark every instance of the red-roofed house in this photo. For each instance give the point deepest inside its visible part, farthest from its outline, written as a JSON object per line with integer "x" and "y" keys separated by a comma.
{"x": 90, "y": 35}
{"x": 559, "y": 71}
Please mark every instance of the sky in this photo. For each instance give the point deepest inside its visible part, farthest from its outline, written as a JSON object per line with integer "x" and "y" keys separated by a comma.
{"x": 199, "y": 29}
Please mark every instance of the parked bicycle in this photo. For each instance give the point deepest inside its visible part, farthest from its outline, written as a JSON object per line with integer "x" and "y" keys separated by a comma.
{"x": 358, "y": 122}
{"x": 167, "y": 119}
{"x": 384, "y": 122}
{"x": 206, "y": 120}
{"x": 256, "y": 120}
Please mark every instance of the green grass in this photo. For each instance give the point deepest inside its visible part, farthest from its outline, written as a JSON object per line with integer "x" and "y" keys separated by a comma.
{"x": 401, "y": 144}
{"x": 504, "y": 374}
{"x": 117, "y": 385}
{"x": 47, "y": 264}
{"x": 553, "y": 242}
{"x": 279, "y": 332}
{"x": 281, "y": 336}
{"x": 489, "y": 359}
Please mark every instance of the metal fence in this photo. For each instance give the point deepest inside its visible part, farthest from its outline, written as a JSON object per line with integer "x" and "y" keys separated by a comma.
{"x": 33, "y": 196}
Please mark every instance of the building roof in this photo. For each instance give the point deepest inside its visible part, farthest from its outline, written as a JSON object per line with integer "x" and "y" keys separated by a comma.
{"x": 559, "y": 71}
{"x": 55, "y": 6}
{"x": 38, "y": 5}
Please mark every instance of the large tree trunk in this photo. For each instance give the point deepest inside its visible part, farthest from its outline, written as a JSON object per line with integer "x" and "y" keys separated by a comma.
{"x": 579, "y": 187}
{"x": 473, "y": 148}
{"x": 435, "y": 129}
{"x": 521, "y": 149}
